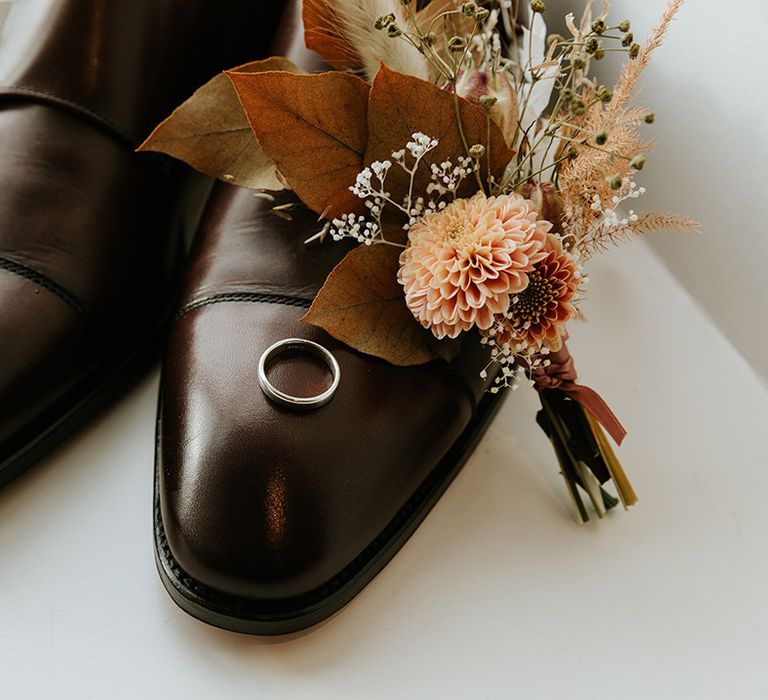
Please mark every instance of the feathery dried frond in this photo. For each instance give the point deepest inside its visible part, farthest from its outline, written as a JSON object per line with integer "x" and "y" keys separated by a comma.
{"x": 348, "y": 26}
{"x": 589, "y": 175}
{"x": 432, "y": 10}
{"x": 651, "y": 222}
{"x": 632, "y": 69}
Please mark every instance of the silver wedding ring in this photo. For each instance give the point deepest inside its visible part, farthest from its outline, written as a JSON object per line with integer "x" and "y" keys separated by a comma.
{"x": 298, "y": 402}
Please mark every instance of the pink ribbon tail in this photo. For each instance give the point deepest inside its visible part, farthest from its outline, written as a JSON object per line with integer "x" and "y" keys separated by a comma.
{"x": 595, "y": 404}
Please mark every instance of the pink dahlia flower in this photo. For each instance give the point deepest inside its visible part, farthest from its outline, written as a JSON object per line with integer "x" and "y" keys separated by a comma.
{"x": 539, "y": 314}
{"x": 463, "y": 263}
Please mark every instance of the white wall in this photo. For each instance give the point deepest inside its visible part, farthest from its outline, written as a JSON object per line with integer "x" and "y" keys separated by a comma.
{"x": 709, "y": 89}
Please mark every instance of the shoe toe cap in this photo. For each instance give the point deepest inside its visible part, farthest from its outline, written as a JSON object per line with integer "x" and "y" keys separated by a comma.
{"x": 264, "y": 502}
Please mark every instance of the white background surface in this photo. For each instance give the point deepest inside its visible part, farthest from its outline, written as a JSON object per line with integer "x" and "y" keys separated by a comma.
{"x": 500, "y": 594}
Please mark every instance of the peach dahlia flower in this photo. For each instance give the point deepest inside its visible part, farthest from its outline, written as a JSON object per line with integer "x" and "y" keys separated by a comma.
{"x": 463, "y": 263}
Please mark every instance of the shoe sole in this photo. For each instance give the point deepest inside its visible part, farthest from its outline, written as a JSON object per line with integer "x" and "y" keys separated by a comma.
{"x": 293, "y": 615}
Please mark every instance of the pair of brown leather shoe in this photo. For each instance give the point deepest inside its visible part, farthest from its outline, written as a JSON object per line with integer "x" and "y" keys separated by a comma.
{"x": 267, "y": 520}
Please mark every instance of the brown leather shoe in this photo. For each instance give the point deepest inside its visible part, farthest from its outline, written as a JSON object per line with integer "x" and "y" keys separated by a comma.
{"x": 267, "y": 519}
{"x": 89, "y": 231}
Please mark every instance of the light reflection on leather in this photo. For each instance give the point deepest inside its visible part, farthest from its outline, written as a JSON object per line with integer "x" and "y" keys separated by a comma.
{"x": 95, "y": 41}
{"x": 275, "y": 504}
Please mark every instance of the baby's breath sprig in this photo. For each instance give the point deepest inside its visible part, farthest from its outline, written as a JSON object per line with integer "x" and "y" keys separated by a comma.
{"x": 445, "y": 180}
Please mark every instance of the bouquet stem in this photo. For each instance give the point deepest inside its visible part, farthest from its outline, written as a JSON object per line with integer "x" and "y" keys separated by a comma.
{"x": 587, "y": 460}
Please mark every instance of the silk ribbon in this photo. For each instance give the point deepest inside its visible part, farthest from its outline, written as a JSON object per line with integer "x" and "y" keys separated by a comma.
{"x": 560, "y": 374}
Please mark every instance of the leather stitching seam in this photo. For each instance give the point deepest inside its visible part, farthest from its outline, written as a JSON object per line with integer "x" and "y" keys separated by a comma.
{"x": 45, "y": 282}
{"x": 12, "y": 90}
{"x": 244, "y": 296}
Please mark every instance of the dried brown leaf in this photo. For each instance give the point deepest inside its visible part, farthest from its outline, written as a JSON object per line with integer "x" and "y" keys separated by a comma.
{"x": 211, "y": 133}
{"x": 322, "y": 34}
{"x": 401, "y": 105}
{"x": 314, "y": 128}
{"x": 363, "y": 305}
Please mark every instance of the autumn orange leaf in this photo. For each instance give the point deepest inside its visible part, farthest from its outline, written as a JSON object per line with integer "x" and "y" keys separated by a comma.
{"x": 321, "y": 34}
{"x": 401, "y": 105}
{"x": 314, "y": 128}
{"x": 363, "y": 305}
{"x": 211, "y": 133}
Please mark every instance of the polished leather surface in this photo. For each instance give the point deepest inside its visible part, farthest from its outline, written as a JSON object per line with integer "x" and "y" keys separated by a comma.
{"x": 32, "y": 376}
{"x": 259, "y": 501}
{"x": 128, "y": 63}
{"x": 90, "y": 232}
{"x": 79, "y": 209}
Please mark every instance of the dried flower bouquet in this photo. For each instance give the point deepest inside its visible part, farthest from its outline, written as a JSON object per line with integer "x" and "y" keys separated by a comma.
{"x": 478, "y": 164}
